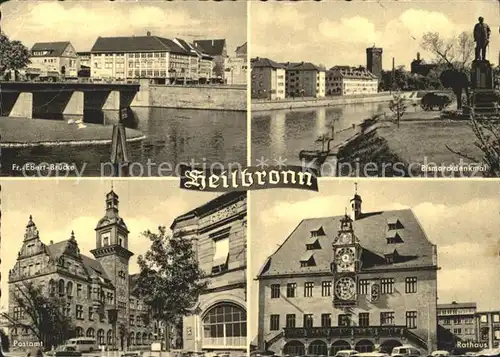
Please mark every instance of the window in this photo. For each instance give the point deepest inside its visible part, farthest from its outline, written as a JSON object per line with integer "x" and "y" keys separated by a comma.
{"x": 411, "y": 319}
{"x": 225, "y": 321}
{"x": 290, "y": 320}
{"x": 291, "y": 290}
{"x": 326, "y": 288}
{"x": 221, "y": 254}
{"x": 364, "y": 319}
{"x": 308, "y": 320}
{"x": 497, "y": 334}
{"x": 326, "y": 320}
{"x": 457, "y": 330}
{"x": 275, "y": 291}
{"x": 344, "y": 320}
{"x": 132, "y": 320}
{"x": 91, "y": 314}
{"x": 79, "y": 312}
{"x": 387, "y": 285}
{"x": 78, "y": 290}
{"x": 364, "y": 287}
{"x": 496, "y": 318}
{"x": 89, "y": 292}
{"x": 308, "y": 289}
{"x": 387, "y": 318}
{"x": 275, "y": 322}
{"x": 484, "y": 318}
{"x": 411, "y": 285}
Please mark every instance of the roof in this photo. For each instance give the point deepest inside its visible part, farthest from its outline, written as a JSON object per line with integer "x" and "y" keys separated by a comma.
{"x": 242, "y": 48}
{"x": 137, "y": 44}
{"x": 353, "y": 72}
{"x": 265, "y": 62}
{"x": 56, "y": 48}
{"x": 222, "y": 200}
{"x": 456, "y": 305}
{"x": 302, "y": 66}
{"x": 197, "y": 51}
{"x": 212, "y": 47}
{"x": 370, "y": 229}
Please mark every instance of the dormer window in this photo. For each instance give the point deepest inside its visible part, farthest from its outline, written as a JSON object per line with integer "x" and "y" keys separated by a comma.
{"x": 393, "y": 223}
{"x": 307, "y": 260}
{"x": 394, "y": 237}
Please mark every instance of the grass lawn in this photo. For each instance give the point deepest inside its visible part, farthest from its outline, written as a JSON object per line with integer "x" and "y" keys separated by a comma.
{"x": 38, "y": 131}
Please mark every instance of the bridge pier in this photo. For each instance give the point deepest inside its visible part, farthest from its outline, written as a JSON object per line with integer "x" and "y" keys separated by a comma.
{"x": 113, "y": 101}
{"x": 75, "y": 104}
{"x": 23, "y": 108}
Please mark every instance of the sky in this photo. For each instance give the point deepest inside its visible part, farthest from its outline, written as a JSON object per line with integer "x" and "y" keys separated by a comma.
{"x": 58, "y": 207}
{"x": 338, "y": 32}
{"x": 81, "y": 22}
{"x": 460, "y": 217}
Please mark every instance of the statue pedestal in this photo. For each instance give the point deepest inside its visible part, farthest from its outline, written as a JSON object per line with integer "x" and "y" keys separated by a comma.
{"x": 481, "y": 75}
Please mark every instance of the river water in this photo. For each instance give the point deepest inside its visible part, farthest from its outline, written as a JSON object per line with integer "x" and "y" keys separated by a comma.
{"x": 284, "y": 133}
{"x": 173, "y": 137}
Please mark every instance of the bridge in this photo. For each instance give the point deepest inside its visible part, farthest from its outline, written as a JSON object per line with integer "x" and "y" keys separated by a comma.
{"x": 42, "y": 99}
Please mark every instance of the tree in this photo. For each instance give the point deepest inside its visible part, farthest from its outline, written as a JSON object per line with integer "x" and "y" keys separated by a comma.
{"x": 453, "y": 55}
{"x": 398, "y": 107}
{"x": 13, "y": 55}
{"x": 170, "y": 279}
{"x": 42, "y": 315}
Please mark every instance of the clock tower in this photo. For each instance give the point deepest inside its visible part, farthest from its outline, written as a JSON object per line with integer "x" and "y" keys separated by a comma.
{"x": 346, "y": 264}
{"x": 113, "y": 254}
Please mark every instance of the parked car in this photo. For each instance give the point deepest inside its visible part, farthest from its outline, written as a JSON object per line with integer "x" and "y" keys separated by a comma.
{"x": 433, "y": 100}
{"x": 440, "y": 353}
{"x": 83, "y": 344}
{"x": 405, "y": 351}
{"x": 372, "y": 354}
{"x": 346, "y": 353}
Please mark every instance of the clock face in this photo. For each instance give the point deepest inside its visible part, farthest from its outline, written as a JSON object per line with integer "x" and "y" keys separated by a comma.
{"x": 345, "y": 238}
{"x": 345, "y": 258}
{"x": 345, "y": 288}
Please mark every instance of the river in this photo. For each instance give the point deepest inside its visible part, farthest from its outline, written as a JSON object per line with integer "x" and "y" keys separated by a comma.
{"x": 173, "y": 137}
{"x": 284, "y": 133}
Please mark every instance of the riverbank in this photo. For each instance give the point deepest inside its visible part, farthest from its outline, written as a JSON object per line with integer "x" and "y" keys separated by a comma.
{"x": 205, "y": 97}
{"x": 21, "y": 133}
{"x": 261, "y": 105}
{"x": 414, "y": 149}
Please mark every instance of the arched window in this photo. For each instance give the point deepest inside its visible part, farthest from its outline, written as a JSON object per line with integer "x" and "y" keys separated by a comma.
{"x": 109, "y": 338}
{"x": 138, "y": 338}
{"x": 52, "y": 287}
{"x": 225, "y": 324}
{"x": 150, "y": 338}
{"x": 131, "y": 339}
{"x": 100, "y": 337}
{"x": 79, "y": 332}
{"x": 61, "y": 288}
{"x": 294, "y": 348}
{"x": 145, "y": 339}
{"x": 69, "y": 288}
{"x": 90, "y": 332}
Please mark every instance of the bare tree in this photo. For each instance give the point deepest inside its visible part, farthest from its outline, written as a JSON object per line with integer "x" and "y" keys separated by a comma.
{"x": 456, "y": 53}
{"x": 398, "y": 107}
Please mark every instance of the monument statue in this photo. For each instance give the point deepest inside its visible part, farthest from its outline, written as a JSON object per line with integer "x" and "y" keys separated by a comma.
{"x": 482, "y": 38}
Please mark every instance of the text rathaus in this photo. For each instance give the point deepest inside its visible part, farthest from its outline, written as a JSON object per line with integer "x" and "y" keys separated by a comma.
{"x": 97, "y": 291}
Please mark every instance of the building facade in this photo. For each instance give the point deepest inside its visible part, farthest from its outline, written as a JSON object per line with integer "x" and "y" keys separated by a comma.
{"x": 418, "y": 66}
{"x": 304, "y": 80}
{"x": 488, "y": 328}
{"x": 55, "y": 57}
{"x": 350, "y": 81}
{"x": 97, "y": 291}
{"x": 374, "y": 61}
{"x": 268, "y": 79}
{"x": 217, "y": 49}
{"x": 218, "y": 232}
{"x": 235, "y": 72}
{"x": 365, "y": 282}
{"x": 159, "y": 59}
{"x": 458, "y": 322}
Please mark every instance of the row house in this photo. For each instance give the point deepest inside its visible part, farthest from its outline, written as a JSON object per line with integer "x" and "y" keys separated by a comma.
{"x": 304, "y": 79}
{"x": 268, "y": 79}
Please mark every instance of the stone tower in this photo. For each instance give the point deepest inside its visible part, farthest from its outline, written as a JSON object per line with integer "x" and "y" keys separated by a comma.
{"x": 112, "y": 252}
{"x": 374, "y": 60}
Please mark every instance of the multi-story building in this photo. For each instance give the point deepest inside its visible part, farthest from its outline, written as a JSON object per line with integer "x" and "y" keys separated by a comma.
{"x": 130, "y": 58}
{"x": 374, "y": 61}
{"x": 97, "y": 292}
{"x": 458, "y": 323}
{"x": 202, "y": 63}
{"x": 218, "y": 232}
{"x": 304, "y": 79}
{"x": 217, "y": 49}
{"x": 268, "y": 79}
{"x": 365, "y": 281}
{"x": 488, "y": 328}
{"x": 85, "y": 63}
{"x": 344, "y": 80}
{"x": 236, "y": 67}
{"x": 418, "y": 66}
{"x": 54, "y": 57}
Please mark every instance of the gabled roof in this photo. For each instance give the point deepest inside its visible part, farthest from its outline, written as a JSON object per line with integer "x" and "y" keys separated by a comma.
{"x": 56, "y": 49}
{"x": 302, "y": 66}
{"x": 195, "y": 51}
{"x": 371, "y": 231}
{"x": 242, "y": 48}
{"x": 265, "y": 62}
{"x": 136, "y": 44}
{"x": 212, "y": 47}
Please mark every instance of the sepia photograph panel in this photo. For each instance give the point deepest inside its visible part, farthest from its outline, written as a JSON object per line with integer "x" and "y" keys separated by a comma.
{"x": 376, "y": 269}
{"x": 88, "y": 85}
{"x": 129, "y": 268}
{"x": 378, "y": 88}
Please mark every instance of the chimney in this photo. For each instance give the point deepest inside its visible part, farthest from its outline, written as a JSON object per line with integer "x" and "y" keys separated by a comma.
{"x": 418, "y": 56}
{"x": 51, "y": 242}
{"x": 148, "y": 33}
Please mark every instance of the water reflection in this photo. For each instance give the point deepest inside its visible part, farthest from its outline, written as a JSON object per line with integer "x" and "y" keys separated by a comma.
{"x": 286, "y": 132}
{"x": 173, "y": 136}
